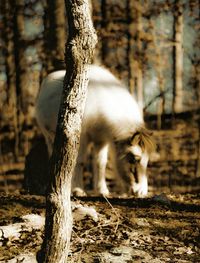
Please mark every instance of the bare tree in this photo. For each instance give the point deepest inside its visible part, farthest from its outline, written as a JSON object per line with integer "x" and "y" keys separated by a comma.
{"x": 79, "y": 52}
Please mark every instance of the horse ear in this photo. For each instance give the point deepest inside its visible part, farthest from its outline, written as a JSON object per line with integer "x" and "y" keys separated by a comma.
{"x": 144, "y": 138}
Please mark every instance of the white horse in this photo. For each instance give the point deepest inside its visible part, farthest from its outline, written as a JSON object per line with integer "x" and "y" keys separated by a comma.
{"x": 112, "y": 120}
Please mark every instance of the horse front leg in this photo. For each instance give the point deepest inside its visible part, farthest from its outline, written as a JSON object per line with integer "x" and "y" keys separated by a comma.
{"x": 99, "y": 166}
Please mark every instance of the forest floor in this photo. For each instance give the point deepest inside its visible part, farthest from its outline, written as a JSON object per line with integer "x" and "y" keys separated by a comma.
{"x": 162, "y": 228}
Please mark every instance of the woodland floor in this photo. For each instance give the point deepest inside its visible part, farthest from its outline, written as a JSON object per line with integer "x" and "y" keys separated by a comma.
{"x": 163, "y": 228}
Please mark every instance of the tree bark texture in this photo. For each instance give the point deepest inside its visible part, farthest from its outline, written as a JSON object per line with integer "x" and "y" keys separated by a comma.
{"x": 79, "y": 52}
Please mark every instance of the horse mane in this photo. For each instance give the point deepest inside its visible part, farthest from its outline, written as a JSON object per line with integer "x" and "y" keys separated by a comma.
{"x": 143, "y": 137}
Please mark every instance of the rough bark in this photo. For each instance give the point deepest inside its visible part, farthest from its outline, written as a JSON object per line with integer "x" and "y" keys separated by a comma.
{"x": 178, "y": 58}
{"x": 79, "y": 51}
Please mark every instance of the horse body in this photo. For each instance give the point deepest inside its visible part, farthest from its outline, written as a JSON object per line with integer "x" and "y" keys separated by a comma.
{"x": 112, "y": 120}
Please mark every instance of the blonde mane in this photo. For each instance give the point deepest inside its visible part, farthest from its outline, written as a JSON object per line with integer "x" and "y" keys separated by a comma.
{"x": 143, "y": 137}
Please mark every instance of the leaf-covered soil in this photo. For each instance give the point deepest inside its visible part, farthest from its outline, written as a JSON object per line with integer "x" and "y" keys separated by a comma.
{"x": 163, "y": 228}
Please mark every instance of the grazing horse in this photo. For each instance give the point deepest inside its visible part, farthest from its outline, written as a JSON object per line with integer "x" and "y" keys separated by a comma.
{"x": 112, "y": 121}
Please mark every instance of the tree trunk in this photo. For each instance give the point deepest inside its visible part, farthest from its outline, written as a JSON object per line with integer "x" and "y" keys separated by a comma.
{"x": 79, "y": 52}
{"x": 130, "y": 48}
{"x": 20, "y": 66}
{"x": 10, "y": 67}
{"x": 135, "y": 51}
{"x": 104, "y": 23}
{"x": 159, "y": 70}
{"x": 139, "y": 74}
{"x": 54, "y": 35}
{"x": 178, "y": 58}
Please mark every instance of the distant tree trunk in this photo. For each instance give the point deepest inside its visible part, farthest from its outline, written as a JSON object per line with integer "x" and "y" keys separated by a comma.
{"x": 178, "y": 57}
{"x": 103, "y": 27}
{"x": 139, "y": 75}
{"x": 159, "y": 72}
{"x": 161, "y": 103}
{"x": 134, "y": 50}
{"x": 198, "y": 156}
{"x": 54, "y": 35}
{"x": 16, "y": 67}
{"x": 79, "y": 52}
{"x": 20, "y": 60}
{"x": 198, "y": 99}
{"x": 10, "y": 66}
{"x": 197, "y": 88}
{"x": 130, "y": 49}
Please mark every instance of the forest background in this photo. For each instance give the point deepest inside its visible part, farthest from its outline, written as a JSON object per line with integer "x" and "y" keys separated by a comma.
{"x": 152, "y": 46}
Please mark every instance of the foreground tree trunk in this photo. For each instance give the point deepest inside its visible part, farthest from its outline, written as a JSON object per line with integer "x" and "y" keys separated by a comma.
{"x": 79, "y": 52}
